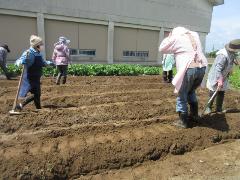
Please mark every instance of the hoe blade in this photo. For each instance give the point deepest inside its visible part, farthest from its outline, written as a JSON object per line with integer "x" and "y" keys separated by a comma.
{"x": 12, "y": 112}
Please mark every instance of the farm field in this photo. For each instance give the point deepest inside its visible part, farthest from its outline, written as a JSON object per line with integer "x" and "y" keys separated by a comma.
{"x": 114, "y": 128}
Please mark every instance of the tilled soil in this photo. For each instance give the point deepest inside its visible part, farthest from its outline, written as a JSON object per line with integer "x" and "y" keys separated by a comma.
{"x": 214, "y": 163}
{"x": 94, "y": 125}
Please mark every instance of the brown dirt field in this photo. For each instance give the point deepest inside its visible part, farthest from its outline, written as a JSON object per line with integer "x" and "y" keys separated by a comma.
{"x": 214, "y": 163}
{"x": 96, "y": 125}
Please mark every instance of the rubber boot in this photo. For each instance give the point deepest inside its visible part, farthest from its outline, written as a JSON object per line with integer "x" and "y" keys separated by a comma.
{"x": 170, "y": 76}
{"x": 37, "y": 101}
{"x": 165, "y": 76}
{"x": 58, "y": 79}
{"x": 182, "y": 122}
{"x": 219, "y": 101}
{"x": 194, "y": 111}
{"x": 27, "y": 100}
{"x": 19, "y": 107}
{"x": 64, "y": 79}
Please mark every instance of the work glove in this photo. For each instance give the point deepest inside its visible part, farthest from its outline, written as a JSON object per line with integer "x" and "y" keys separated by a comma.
{"x": 18, "y": 62}
{"x": 220, "y": 82}
{"x": 51, "y": 63}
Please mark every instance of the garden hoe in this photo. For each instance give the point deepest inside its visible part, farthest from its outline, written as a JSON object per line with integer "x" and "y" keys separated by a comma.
{"x": 13, "y": 111}
{"x": 210, "y": 101}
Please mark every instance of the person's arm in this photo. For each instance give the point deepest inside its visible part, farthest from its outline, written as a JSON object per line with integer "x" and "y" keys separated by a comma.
{"x": 23, "y": 59}
{"x": 164, "y": 58}
{"x": 221, "y": 62}
{"x": 54, "y": 56}
{"x": 236, "y": 62}
{"x": 47, "y": 63}
{"x": 168, "y": 45}
{"x": 172, "y": 59}
{"x": 1, "y": 55}
{"x": 67, "y": 52}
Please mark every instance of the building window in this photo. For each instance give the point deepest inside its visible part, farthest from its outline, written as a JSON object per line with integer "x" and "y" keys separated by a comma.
{"x": 135, "y": 54}
{"x": 166, "y": 33}
{"x": 73, "y": 51}
{"x": 142, "y": 54}
{"x": 125, "y": 53}
{"x": 83, "y": 52}
{"x": 87, "y": 52}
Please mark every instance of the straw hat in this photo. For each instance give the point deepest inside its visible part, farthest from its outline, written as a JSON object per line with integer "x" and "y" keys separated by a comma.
{"x": 233, "y": 46}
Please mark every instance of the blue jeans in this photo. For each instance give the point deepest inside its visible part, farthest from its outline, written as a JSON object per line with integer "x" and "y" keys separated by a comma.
{"x": 192, "y": 80}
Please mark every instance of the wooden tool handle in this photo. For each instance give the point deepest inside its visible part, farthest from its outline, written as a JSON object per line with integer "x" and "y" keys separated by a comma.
{"x": 18, "y": 90}
{"x": 20, "y": 83}
{"x": 213, "y": 96}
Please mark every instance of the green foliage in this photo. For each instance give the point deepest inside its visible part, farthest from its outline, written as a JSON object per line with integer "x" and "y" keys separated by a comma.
{"x": 114, "y": 70}
{"x": 212, "y": 54}
{"x": 235, "y": 78}
{"x": 13, "y": 69}
{"x": 98, "y": 70}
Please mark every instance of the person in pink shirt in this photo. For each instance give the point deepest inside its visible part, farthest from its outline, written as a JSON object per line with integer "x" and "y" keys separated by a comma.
{"x": 61, "y": 57}
{"x": 191, "y": 66}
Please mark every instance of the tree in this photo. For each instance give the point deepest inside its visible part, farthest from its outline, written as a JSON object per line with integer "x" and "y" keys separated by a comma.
{"x": 212, "y": 54}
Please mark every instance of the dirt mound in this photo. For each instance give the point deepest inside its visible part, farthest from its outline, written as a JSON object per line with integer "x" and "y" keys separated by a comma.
{"x": 217, "y": 162}
{"x": 95, "y": 124}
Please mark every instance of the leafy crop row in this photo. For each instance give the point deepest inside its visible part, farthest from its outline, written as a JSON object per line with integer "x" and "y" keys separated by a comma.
{"x": 98, "y": 70}
{"x": 235, "y": 78}
{"x": 115, "y": 70}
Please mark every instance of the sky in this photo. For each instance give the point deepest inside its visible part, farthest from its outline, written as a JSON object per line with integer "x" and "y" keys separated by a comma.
{"x": 225, "y": 25}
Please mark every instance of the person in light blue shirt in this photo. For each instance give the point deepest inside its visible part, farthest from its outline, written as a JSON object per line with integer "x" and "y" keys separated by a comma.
{"x": 167, "y": 64}
{"x": 33, "y": 62}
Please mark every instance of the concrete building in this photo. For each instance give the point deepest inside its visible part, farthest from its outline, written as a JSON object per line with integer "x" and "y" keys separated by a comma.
{"x": 102, "y": 31}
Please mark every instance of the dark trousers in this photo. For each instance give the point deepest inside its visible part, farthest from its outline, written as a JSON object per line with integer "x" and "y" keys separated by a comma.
{"x": 36, "y": 94}
{"x": 168, "y": 76}
{"x": 4, "y": 69}
{"x": 35, "y": 98}
{"x": 62, "y": 73}
{"x": 219, "y": 100}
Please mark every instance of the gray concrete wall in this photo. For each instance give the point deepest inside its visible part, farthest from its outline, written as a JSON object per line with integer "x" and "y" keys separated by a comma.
{"x": 133, "y": 39}
{"x": 194, "y": 14}
{"x": 16, "y": 31}
{"x": 109, "y": 26}
{"x": 82, "y": 36}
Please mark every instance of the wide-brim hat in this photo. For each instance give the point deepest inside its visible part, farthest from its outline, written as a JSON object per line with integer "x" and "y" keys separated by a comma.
{"x": 5, "y": 46}
{"x": 233, "y": 46}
